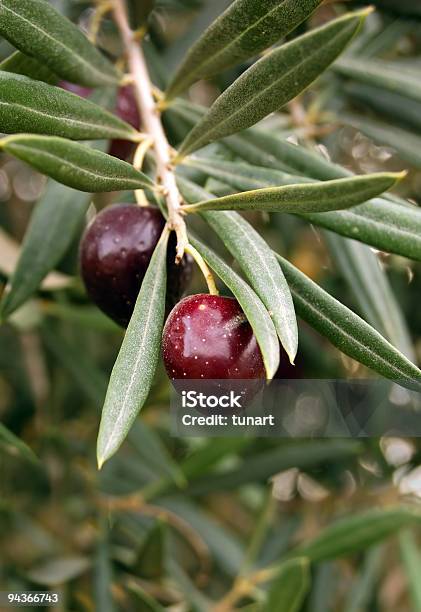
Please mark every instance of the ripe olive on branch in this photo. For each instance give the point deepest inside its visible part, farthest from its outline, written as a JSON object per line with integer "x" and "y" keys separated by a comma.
{"x": 115, "y": 252}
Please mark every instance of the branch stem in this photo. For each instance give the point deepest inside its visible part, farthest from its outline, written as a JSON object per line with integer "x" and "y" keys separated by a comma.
{"x": 151, "y": 120}
{"x": 210, "y": 281}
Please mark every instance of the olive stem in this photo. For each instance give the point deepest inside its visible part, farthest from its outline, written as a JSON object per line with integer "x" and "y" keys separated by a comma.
{"x": 210, "y": 281}
{"x": 151, "y": 120}
{"x": 101, "y": 10}
{"x": 138, "y": 160}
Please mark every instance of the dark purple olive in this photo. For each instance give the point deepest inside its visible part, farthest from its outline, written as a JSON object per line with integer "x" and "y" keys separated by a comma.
{"x": 126, "y": 109}
{"x": 115, "y": 252}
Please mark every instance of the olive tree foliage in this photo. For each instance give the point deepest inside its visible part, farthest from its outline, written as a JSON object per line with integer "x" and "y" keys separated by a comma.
{"x": 213, "y": 164}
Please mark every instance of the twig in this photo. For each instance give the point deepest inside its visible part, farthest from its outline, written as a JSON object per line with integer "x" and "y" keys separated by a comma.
{"x": 152, "y": 124}
{"x": 210, "y": 281}
{"x": 138, "y": 164}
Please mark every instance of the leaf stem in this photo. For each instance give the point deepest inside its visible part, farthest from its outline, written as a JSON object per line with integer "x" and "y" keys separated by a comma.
{"x": 151, "y": 120}
{"x": 210, "y": 281}
{"x": 138, "y": 160}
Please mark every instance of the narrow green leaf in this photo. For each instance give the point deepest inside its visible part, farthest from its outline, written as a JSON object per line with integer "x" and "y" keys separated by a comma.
{"x": 78, "y": 365}
{"x": 272, "y": 151}
{"x": 258, "y": 263}
{"x": 239, "y": 175}
{"x": 225, "y": 546}
{"x": 393, "y": 105}
{"x": 347, "y": 331}
{"x": 263, "y": 465}
{"x": 273, "y": 81}
{"x": 406, "y": 143}
{"x": 151, "y": 450}
{"x": 15, "y": 445}
{"x": 357, "y": 532}
{"x": 38, "y": 30}
{"x": 57, "y": 217}
{"x": 305, "y": 197}
{"x": 150, "y": 560}
{"x": 36, "y": 107}
{"x": 244, "y": 30}
{"x": 382, "y": 223}
{"x": 103, "y": 574}
{"x": 253, "y": 307}
{"x": 411, "y": 558}
{"x": 134, "y": 369}
{"x": 19, "y": 63}
{"x": 290, "y": 587}
{"x": 75, "y": 165}
{"x": 144, "y": 601}
{"x": 391, "y": 76}
{"x": 371, "y": 290}
{"x": 364, "y": 587}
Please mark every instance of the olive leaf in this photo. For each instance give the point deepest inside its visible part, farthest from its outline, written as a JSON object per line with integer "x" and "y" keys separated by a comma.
{"x": 11, "y": 443}
{"x": 242, "y": 31}
{"x": 361, "y": 268}
{"x": 306, "y": 197}
{"x": 103, "y": 572}
{"x": 354, "y": 533}
{"x": 258, "y": 264}
{"x": 390, "y": 76}
{"x": 357, "y": 262}
{"x": 149, "y": 448}
{"x": 253, "y": 308}
{"x": 239, "y": 175}
{"x": 382, "y": 223}
{"x": 290, "y": 587}
{"x": 134, "y": 369}
{"x": 150, "y": 558}
{"x": 273, "y": 81}
{"x": 38, "y": 30}
{"x": 264, "y": 464}
{"x": 347, "y": 331}
{"x": 36, "y": 107}
{"x": 412, "y": 564}
{"x": 54, "y": 222}
{"x": 388, "y": 103}
{"x": 19, "y": 63}
{"x": 75, "y": 165}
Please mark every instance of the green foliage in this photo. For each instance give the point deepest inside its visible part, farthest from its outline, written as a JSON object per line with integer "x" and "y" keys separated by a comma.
{"x": 388, "y": 76}
{"x": 273, "y": 81}
{"x": 242, "y": 31}
{"x": 32, "y": 106}
{"x": 19, "y": 63}
{"x": 11, "y": 443}
{"x": 351, "y": 334}
{"x": 189, "y": 523}
{"x": 37, "y": 29}
{"x": 352, "y": 534}
{"x": 305, "y": 198}
{"x": 133, "y": 373}
{"x": 290, "y": 587}
{"x": 45, "y": 244}
{"x": 75, "y": 165}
